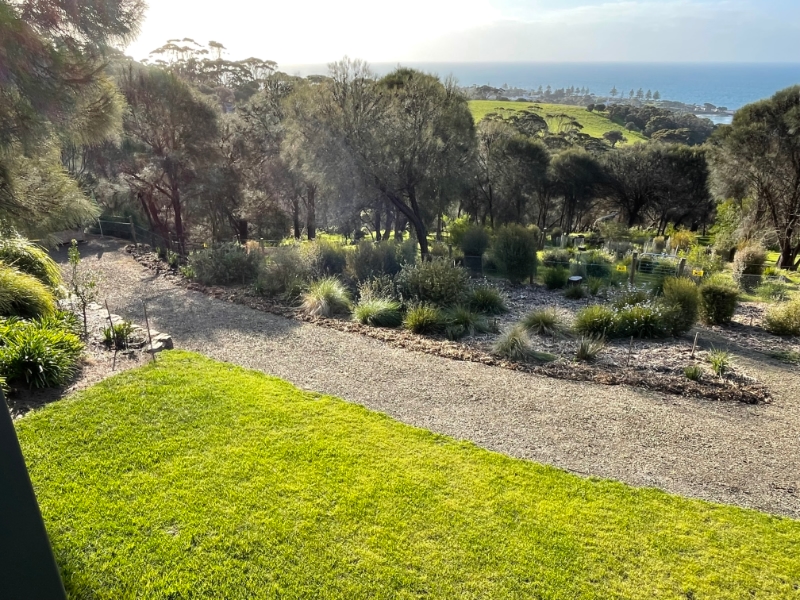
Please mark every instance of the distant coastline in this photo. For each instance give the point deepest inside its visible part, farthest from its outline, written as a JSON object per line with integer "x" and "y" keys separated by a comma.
{"x": 724, "y": 84}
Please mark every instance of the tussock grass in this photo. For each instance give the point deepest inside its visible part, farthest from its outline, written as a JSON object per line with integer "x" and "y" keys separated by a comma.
{"x": 544, "y": 322}
{"x": 378, "y": 312}
{"x": 27, "y": 257}
{"x": 326, "y": 297}
{"x": 24, "y": 295}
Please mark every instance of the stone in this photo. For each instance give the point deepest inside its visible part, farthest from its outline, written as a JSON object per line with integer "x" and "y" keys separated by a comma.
{"x": 161, "y": 341}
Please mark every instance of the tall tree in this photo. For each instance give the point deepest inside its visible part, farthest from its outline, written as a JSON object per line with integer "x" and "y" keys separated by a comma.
{"x": 578, "y": 177}
{"x": 758, "y": 155}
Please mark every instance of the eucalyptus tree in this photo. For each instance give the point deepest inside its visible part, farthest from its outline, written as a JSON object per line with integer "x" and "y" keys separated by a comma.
{"x": 758, "y": 156}
{"x": 54, "y": 89}
{"x": 578, "y": 177}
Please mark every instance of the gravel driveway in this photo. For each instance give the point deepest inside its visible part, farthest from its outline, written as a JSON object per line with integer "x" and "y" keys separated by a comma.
{"x": 725, "y": 452}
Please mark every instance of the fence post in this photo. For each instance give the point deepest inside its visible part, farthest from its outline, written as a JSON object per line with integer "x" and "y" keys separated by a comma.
{"x": 634, "y": 264}
{"x": 681, "y": 267}
{"x": 133, "y": 231}
{"x": 100, "y": 225}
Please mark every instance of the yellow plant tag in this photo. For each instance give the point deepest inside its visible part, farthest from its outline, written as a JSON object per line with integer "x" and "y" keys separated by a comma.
{"x": 697, "y": 272}
{"x": 622, "y": 268}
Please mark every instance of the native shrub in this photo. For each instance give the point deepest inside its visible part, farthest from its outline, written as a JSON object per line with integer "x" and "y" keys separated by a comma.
{"x": 597, "y": 320}
{"x": 717, "y": 302}
{"x": 514, "y": 251}
{"x": 574, "y": 292}
{"x": 683, "y": 294}
{"x": 224, "y": 264}
{"x": 434, "y": 281}
{"x": 370, "y": 259}
{"x": 784, "y": 319}
{"x": 555, "y": 278}
{"x": 748, "y": 266}
{"x": 556, "y": 258}
{"x": 475, "y": 241}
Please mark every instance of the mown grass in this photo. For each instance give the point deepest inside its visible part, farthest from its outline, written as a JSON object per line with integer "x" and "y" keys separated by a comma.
{"x": 595, "y": 124}
{"x": 193, "y": 478}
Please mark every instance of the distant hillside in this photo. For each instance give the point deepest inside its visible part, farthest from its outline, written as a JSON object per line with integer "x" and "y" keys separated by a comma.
{"x": 595, "y": 124}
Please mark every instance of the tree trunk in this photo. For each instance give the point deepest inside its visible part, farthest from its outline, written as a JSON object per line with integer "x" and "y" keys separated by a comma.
{"x": 176, "y": 208}
{"x": 311, "y": 211}
{"x": 296, "y": 217}
{"x": 399, "y": 226}
{"x": 376, "y": 223}
{"x": 789, "y": 253}
{"x": 387, "y": 230}
{"x": 419, "y": 225}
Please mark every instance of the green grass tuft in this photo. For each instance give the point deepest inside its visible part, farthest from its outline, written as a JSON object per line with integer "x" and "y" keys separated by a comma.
{"x": 425, "y": 319}
{"x": 23, "y": 295}
{"x": 193, "y": 478}
{"x": 27, "y": 257}
{"x": 544, "y": 322}
{"x": 487, "y": 300}
{"x": 378, "y": 312}
{"x": 326, "y": 297}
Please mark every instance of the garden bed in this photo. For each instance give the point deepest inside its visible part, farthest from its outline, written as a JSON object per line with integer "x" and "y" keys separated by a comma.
{"x": 651, "y": 364}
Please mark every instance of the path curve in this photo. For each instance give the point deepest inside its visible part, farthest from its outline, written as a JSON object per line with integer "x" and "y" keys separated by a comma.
{"x": 724, "y": 452}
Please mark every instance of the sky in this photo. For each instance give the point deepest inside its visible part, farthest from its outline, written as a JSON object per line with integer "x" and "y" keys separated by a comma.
{"x": 321, "y": 31}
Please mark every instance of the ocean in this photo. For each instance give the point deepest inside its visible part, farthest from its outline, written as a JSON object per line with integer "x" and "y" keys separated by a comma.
{"x": 724, "y": 84}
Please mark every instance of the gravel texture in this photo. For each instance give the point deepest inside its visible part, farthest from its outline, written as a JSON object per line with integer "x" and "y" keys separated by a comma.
{"x": 734, "y": 453}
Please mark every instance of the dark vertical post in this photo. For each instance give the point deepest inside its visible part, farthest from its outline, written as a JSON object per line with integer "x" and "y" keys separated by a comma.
{"x": 634, "y": 260}
{"x": 133, "y": 231}
{"x": 28, "y": 570}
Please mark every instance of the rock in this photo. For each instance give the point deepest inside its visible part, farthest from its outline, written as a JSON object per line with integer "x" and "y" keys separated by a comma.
{"x": 161, "y": 341}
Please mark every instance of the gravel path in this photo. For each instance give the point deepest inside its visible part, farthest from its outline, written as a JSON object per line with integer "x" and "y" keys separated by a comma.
{"x": 725, "y": 452}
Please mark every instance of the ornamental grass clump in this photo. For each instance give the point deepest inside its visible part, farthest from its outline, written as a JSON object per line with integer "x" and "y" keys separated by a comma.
{"x": 424, "y": 319}
{"x": 597, "y": 320}
{"x": 642, "y": 321}
{"x": 784, "y": 319}
{"x": 378, "y": 312}
{"x": 555, "y": 278}
{"x": 693, "y": 372}
{"x": 515, "y": 345}
{"x": 544, "y": 322}
{"x": 487, "y": 300}
{"x": 575, "y": 292}
{"x": 24, "y": 295}
{"x": 461, "y": 322}
{"x": 721, "y": 361}
{"x": 29, "y": 258}
{"x": 589, "y": 348}
{"x": 435, "y": 281}
{"x": 326, "y": 297}
{"x": 38, "y": 354}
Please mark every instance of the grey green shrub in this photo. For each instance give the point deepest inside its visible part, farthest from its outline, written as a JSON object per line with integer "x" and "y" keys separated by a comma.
{"x": 224, "y": 264}
{"x": 748, "y": 266}
{"x": 784, "y": 319}
{"x": 717, "y": 303}
{"x": 435, "y": 281}
{"x": 514, "y": 250}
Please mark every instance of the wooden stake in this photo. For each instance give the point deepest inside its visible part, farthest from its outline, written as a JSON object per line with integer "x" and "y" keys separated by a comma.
{"x": 694, "y": 346}
{"x": 630, "y": 351}
{"x": 149, "y": 337}
{"x": 113, "y": 337}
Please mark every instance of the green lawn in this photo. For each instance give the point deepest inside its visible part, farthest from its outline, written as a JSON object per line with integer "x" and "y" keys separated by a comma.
{"x": 191, "y": 478}
{"x": 595, "y": 124}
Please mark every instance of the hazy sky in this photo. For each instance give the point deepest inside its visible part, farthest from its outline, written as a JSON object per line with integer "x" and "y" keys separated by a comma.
{"x": 319, "y": 31}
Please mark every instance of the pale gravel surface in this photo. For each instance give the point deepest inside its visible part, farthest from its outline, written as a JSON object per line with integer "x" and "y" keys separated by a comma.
{"x": 725, "y": 452}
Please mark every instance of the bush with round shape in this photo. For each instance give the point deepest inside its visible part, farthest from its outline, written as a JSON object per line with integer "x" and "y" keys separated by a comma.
{"x": 487, "y": 300}
{"x": 38, "y": 355}
{"x": 641, "y": 321}
{"x": 23, "y": 295}
{"x": 285, "y": 272}
{"x": 555, "y": 278}
{"x": 683, "y": 294}
{"x": 784, "y": 319}
{"x": 435, "y": 281}
{"x": 326, "y": 297}
{"x": 630, "y": 296}
{"x": 556, "y": 258}
{"x": 514, "y": 251}
{"x": 382, "y": 286}
{"x": 717, "y": 303}
{"x": 597, "y": 320}
{"x": 370, "y": 259}
{"x": 475, "y": 241}
{"x": 773, "y": 290}
{"x": 224, "y": 264}
{"x": 379, "y": 312}
{"x": 330, "y": 258}
{"x": 748, "y": 266}
{"x": 29, "y": 258}
{"x": 424, "y": 319}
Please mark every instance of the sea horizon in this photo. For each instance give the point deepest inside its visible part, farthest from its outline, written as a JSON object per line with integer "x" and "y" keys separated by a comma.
{"x": 729, "y": 85}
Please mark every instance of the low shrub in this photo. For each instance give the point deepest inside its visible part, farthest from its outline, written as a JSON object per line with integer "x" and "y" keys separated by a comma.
{"x": 575, "y": 292}
{"x": 29, "y": 258}
{"x": 460, "y": 321}
{"x": 589, "y": 347}
{"x": 224, "y": 264}
{"x": 514, "y": 251}
{"x": 773, "y": 290}
{"x": 329, "y": 258}
{"x": 594, "y": 285}
{"x": 717, "y": 302}
{"x": 382, "y": 286}
{"x": 544, "y": 322}
{"x": 326, "y": 297}
{"x": 784, "y": 319}
{"x": 435, "y": 281}
{"x": 630, "y": 296}
{"x": 285, "y": 272}
{"x": 659, "y": 244}
{"x": 556, "y": 258}
{"x": 721, "y": 361}
{"x": 23, "y": 295}
{"x": 424, "y": 319}
{"x": 748, "y": 266}
{"x": 370, "y": 259}
{"x": 378, "y": 312}
{"x": 641, "y": 320}
{"x": 487, "y": 300}
{"x": 596, "y": 320}
{"x": 39, "y": 355}
{"x": 475, "y": 241}
{"x": 555, "y": 278}
{"x": 683, "y": 294}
